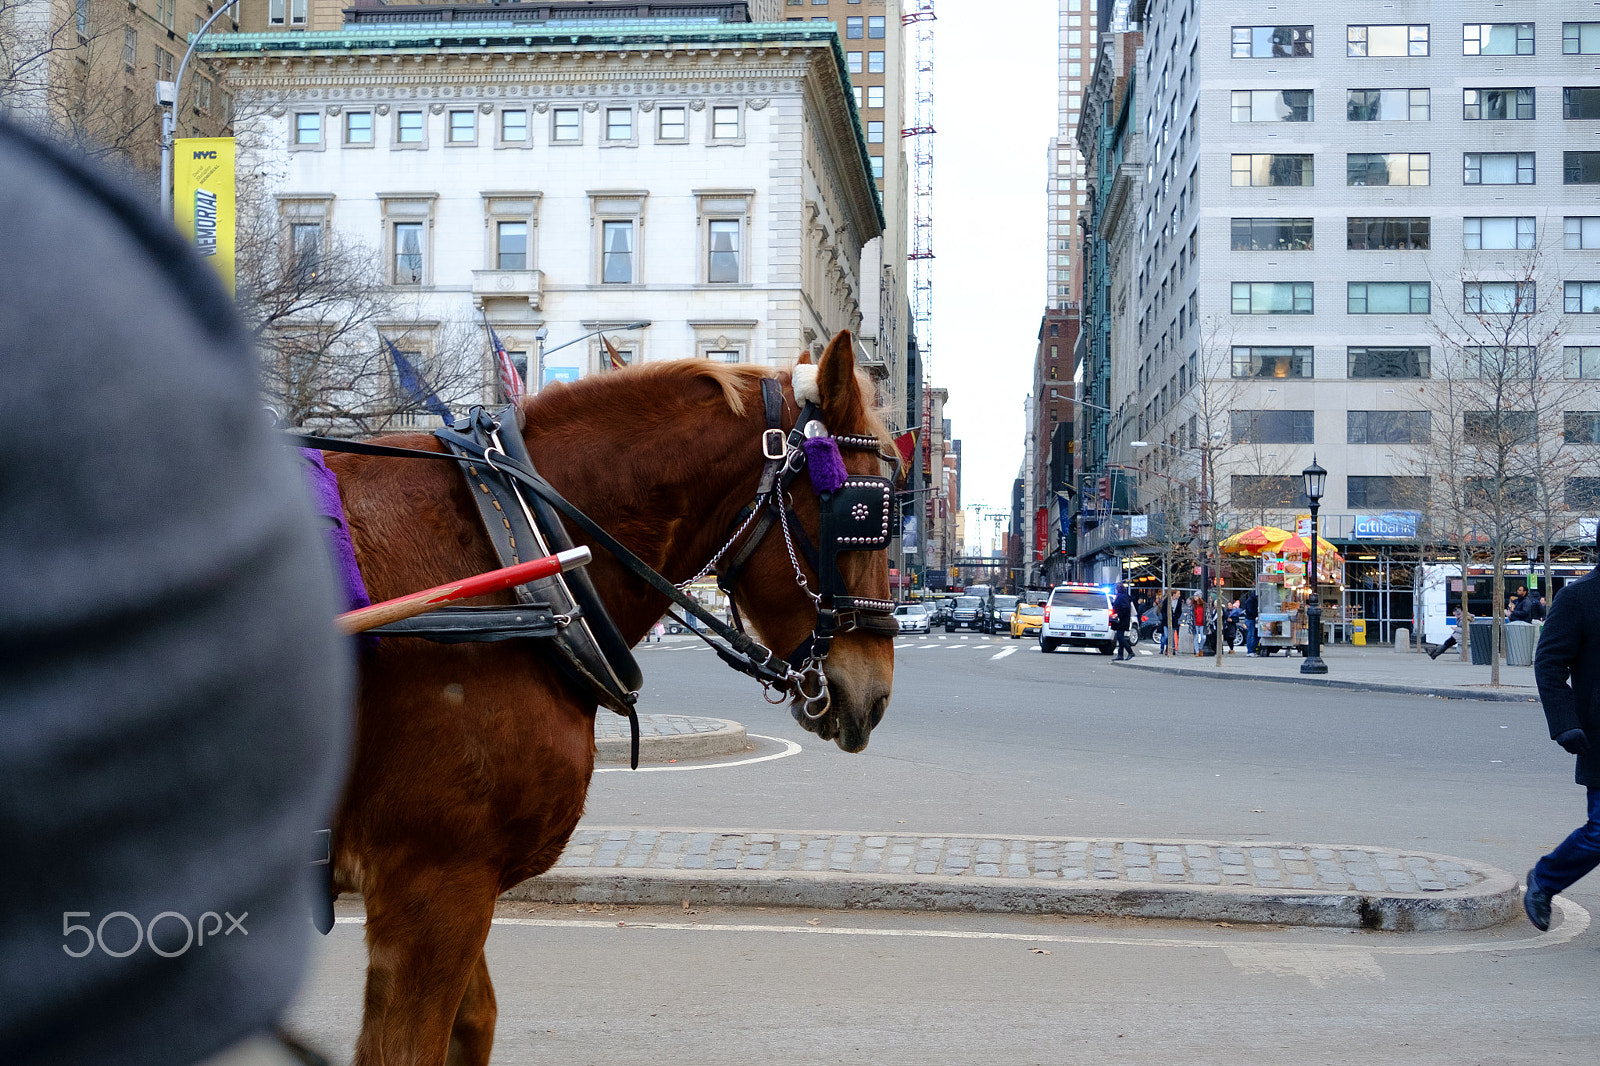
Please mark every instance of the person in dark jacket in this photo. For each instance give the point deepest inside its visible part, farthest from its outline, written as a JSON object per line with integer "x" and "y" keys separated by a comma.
{"x": 1121, "y": 614}
{"x": 1521, "y": 609}
{"x": 1252, "y": 611}
{"x": 1567, "y": 668}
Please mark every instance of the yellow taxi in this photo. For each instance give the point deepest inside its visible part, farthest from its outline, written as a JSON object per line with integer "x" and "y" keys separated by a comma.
{"x": 1026, "y": 620}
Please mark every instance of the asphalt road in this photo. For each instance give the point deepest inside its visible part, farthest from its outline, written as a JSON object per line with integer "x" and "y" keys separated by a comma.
{"x": 1057, "y": 744}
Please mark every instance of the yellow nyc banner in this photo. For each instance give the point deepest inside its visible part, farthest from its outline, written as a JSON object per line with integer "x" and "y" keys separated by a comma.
{"x": 202, "y": 199}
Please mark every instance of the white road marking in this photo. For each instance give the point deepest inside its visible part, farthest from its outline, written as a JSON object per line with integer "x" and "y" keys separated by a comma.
{"x": 920, "y": 647}
{"x": 959, "y": 647}
{"x": 908, "y": 644}
{"x": 1574, "y": 922}
{"x": 1003, "y": 653}
{"x": 789, "y": 748}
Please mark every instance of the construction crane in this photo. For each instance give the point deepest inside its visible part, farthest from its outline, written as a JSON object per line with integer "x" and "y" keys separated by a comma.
{"x": 918, "y": 138}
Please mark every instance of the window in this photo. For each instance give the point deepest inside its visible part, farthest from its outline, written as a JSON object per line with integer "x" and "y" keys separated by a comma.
{"x": 723, "y": 250}
{"x": 1389, "y": 297}
{"x": 565, "y": 125}
{"x": 463, "y": 127}
{"x": 1273, "y": 170}
{"x": 852, "y": 62}
{"x": 1394, "y": 168}
{"x": 1583, "y": 361}
{"x": 619, "y": 124}
{"x": 408, "y": 253}
{"x": 1583, "y": 297}
{"x": 1497, "y": 39}
{"x": 875, "y": 27}
{"x": 672, "y": 124}
{"x": 511, "y": 246}
{"x": 1386, "y": 234}
{"x": 1580, "y": 102}
{"x": 1272, "y": 298}
{"x": 1271, "y": 42}
{"x": 130, "y": 47}
{"x": 164, "y": 63}
{"x": 725, "y": 123}
{"x": 408, "y": 127}
{"x": 1386, "y": 40}
{"x": 1488, "y": 232}
{"x": 202, "y": 94}
{"x": 853, "y": 27}
{"x": 1387, "y": 427}
{"x": 1582, "y": 231}
{"x": 874, "y": 62}
{"x": 1385, "y": 492}
{"x": 275, "y": 10}
{"x": 1498, "y": 297}
{"x": 1496, "y": 362}
{"x": 307, "y": 128}
{"x": 1387, "y": 105}
{"x": 1405, "y": 362}
{"x": 1581, "y": 168}
{"x": 1580, "y": 38}
{"x": 1497, "y": 105}
{"x": 874, "y": 96}
{"x": 617, "y": 253}
{"x": 877, "y": 166}
{"x": 1261, "y": 362}
{"x": 1272, "y": 427}
{"x": 305, "y": 244}
{"x": 1497, "y": 168}
{"x": 1580, "y": 427}
{"x": 1582, "y": 494}
{"x": 1285, "y": 491}
{"x": 1272, "y": 105}
{"x": 874, "y": 132}
{"x": 1498, "y": 428}
{"x": 855, "y": 91}
{"x": 358, "y": 127}
{"x": 1271, "y": 234}
{"x": 297, "y": 12}
{"x": 514, "y": 126}
{"x": 724, "y": 356}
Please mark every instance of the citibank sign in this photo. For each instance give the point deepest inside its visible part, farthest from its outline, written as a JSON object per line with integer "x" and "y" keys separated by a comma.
{"x": 1393, "y": 525}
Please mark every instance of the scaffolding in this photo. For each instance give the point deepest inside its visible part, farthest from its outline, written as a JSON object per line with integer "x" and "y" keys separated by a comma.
{"x": 918, "y": 138}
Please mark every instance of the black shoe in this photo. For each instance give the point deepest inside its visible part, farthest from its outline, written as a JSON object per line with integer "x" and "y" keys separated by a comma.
{"x": 1536, "y": 901}
{"x": 1434, "y": 654}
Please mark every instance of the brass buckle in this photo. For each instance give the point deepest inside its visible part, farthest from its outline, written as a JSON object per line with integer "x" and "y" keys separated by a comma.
{"x": 773, "y": 444}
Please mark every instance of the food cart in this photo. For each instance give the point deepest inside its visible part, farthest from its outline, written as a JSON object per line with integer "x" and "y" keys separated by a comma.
{"x": 1282, "y": 584}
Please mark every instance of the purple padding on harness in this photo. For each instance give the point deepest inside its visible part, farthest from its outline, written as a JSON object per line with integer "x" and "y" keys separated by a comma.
{"x": 824, "y": 463}
{"x": 324, "y": 486}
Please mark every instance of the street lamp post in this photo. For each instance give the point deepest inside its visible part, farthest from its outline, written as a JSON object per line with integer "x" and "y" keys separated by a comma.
{"x": 1316, "y": 480}
{"x": 542, "y": 334}
{"x": 168, "y": 102}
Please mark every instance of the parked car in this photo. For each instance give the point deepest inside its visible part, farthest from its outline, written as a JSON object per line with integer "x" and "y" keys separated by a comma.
{"x": 1001, "y": 608}
{"x": 1077, "y": 615}
{"x": 1026, "y": 620}
{"x": 968, "y": 613}
{"x": 939, "y": 612}
{"x": 912, "y": 617}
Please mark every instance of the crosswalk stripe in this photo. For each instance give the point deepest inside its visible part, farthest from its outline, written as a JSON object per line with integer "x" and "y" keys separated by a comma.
{"x": 1002, "y": 653}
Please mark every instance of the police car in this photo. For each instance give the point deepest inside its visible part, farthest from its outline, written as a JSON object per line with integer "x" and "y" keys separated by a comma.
{"x": 1077, "y": 615}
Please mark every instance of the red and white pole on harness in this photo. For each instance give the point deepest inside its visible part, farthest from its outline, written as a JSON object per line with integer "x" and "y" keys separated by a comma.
{"x": 479, "y": 585}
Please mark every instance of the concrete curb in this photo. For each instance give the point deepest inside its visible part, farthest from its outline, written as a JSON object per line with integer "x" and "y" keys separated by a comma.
{"x": 1355, "y": 686}
{"x": 1491, "y": 899}
{"x": 727, "y": 738}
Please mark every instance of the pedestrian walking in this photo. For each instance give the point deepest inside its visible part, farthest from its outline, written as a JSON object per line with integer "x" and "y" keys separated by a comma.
{"x": 1252, "y": 611}
{"x": 1197, "y": 607}
{"x": 1121, "y": 613}
{"x": 658, "y": 631}
{"x": 1567, "y": 668}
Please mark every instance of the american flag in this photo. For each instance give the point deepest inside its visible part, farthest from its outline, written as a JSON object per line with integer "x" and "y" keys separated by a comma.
{"x": 510, "y": 380}
{"x": 617, "y": 362}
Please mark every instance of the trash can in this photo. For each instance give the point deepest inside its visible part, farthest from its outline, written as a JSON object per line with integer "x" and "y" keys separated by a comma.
{"x": 1519, "y": 638}
{"x": 1482, "y": 641}
{"x": 1358, "y": 632}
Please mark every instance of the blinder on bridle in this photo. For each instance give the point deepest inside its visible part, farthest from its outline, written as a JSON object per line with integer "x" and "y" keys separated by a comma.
{"x": 855, "y": 515}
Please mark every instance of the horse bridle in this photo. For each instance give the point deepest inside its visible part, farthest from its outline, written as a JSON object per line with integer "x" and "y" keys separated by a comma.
{"x": 853, "y": 516}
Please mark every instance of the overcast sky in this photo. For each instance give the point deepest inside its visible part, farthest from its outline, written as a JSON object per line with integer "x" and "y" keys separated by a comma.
{"x": 995, "y": 112}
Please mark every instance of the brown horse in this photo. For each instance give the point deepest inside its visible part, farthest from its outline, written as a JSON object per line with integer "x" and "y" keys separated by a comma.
{"x": 472, "y": 761}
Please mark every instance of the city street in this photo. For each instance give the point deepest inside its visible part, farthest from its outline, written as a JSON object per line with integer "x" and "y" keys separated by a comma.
{"x": 987, "y": 735}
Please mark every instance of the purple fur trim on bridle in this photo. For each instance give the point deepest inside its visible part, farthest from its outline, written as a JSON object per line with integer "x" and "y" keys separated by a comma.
{"x": 324, "y": 488}
{"x": 824, "y": 464}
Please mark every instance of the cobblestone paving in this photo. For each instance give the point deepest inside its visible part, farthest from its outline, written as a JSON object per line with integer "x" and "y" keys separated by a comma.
{"x": 608, "y": 726}
{"x": 1311, "y": 869}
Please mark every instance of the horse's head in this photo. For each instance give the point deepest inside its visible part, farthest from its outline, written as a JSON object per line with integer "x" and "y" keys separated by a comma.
{"x": 858, "y": 665}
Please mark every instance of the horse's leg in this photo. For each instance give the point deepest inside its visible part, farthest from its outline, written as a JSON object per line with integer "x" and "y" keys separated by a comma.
{"x": 425, "y": 936}
{"x": 473, "y": 1035}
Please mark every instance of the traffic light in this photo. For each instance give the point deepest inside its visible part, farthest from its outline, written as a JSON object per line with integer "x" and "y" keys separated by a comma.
{"x": 955, "y": 573}
{"x": 1105, "y": 487}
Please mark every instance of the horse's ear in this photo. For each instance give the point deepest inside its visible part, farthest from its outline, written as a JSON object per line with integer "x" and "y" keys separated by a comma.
{"x": 805, "y": 358}
{"x": 836, "y": 382}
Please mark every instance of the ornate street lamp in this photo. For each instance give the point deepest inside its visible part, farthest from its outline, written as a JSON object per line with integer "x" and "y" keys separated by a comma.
{"x": 1316, "y": 480}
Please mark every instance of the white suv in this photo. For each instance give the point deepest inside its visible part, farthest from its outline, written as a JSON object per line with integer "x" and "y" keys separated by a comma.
{"x": 913, "y": 617}
{"x": 1079, "y": 615}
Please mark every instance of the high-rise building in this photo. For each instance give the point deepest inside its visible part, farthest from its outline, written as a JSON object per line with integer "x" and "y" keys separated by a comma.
{"x": 1077, "y": 34}
{"x": 1341, "y": 229}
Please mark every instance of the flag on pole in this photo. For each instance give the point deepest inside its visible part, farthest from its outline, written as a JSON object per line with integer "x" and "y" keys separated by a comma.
{"x": 617, "y": 362}
{"x": 414, "y": 385}
{"x": 510, "y": 380}
{"x": 906, "y": 445}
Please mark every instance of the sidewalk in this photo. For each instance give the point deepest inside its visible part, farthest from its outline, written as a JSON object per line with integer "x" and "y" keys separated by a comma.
{"x": 1198, "y": 880}
{"x": 1375, "y": 668}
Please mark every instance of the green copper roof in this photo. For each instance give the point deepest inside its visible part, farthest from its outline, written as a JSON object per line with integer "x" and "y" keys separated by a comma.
{"x": 598, "y": 35}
